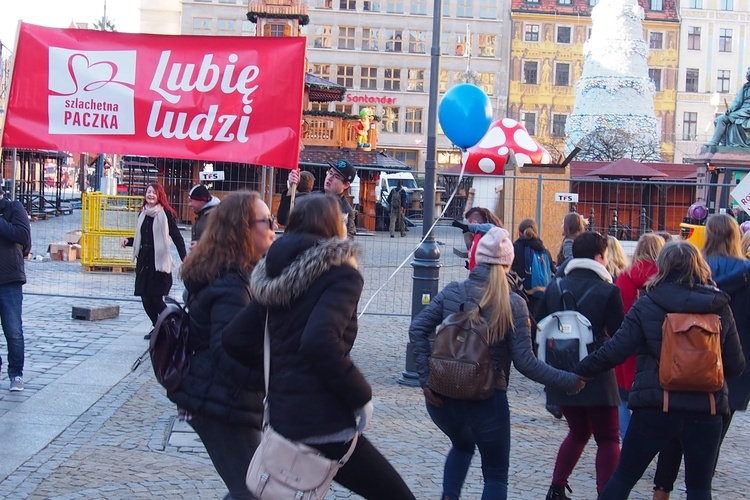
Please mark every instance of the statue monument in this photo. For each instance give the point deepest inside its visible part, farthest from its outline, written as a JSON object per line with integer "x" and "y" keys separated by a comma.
{"x": 733, "y": 127}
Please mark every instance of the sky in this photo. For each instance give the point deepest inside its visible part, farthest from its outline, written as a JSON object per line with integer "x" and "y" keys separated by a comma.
{"x": 59, "y": 13}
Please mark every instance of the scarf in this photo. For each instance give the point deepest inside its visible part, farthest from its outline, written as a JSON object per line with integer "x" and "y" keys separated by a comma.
{"x": 591, "y": 265}
{"x": 162, "y": 255}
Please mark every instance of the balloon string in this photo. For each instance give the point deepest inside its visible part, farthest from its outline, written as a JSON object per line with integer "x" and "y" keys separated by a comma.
{"x": 424, "y": 238}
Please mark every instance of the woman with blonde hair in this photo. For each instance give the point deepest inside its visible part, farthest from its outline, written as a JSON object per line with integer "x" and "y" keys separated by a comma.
{"x": 745, "y": 245}
{"x": 219, "y": 397}
{"x": 631, "y": 283}
{"x": 308, "y": 287}
{"x": 682, "y": 284}
{"x": 730, "y": 271}
{"x": 617, "y": 261}
{"x": 484, "y": 423}
{"x": 573, "y": 224}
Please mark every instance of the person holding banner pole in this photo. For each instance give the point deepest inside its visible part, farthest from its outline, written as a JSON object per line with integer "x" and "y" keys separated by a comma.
{"x": 151, "y": 252}
{"x": 300, "y": 183}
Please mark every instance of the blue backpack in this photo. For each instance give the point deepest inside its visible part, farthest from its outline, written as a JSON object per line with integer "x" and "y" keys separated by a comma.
{"x": 538, "y": 272}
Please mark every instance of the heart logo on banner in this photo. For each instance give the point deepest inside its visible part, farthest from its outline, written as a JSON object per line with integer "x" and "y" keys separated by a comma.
{"x": 88, "y": 76}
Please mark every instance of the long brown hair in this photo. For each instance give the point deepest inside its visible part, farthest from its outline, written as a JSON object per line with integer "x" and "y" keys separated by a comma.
{"x": 683, "y": 261}
{"x": 161, "y": 198}
{"x": 227, "y": 242}
{"x": 648, "y": 247}
{"x": 723, "y": 236}
{"x": 318, "y": 214}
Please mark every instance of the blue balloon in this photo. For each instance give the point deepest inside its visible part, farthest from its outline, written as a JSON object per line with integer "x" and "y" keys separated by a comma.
{"x": 465, "y": 114}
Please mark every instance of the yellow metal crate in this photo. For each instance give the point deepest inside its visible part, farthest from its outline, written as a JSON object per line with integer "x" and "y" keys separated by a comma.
{"x": 104, "y": 250}
{"x": 106, "y": 213}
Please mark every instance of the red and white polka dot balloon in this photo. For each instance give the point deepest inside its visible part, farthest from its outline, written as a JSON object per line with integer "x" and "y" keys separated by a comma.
{"x": 491, "y": 154}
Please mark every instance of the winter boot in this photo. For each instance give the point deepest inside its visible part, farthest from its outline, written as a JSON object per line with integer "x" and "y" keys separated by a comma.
{"x": 558, "y": 492}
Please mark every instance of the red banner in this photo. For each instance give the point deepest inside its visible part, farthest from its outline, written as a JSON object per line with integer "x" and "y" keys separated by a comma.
{"x": 211, "y": 98}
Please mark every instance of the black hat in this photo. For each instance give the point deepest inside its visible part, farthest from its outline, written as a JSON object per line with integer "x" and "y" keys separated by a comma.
{"x": 199, "y": 192}
{"x": 347, "y": 171}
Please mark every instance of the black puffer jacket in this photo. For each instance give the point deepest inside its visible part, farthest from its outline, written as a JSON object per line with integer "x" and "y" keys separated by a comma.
{"x": 217, "y": 384}
{"x": 640, "y": 334}
{"x": 515, "y": 346}
{"x": 604, "y": 309}
{"x": 732, "y": 276}
{"x": 519, "y": 262}
{"x": 14, "y": 234}
{"x": 311, "y": 288}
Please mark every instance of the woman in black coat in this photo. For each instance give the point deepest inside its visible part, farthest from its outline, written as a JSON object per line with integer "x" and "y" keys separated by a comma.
{"x": 681, "y": 285}
{"x": 151, "y": 252}
{"x": 221, "y": 398}
{"x": 594, "y": 409}
{"x": 309, "y": 286}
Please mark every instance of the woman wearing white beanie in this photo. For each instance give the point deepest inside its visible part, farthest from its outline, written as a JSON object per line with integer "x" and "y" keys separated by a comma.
{"x": 484, "y": 423}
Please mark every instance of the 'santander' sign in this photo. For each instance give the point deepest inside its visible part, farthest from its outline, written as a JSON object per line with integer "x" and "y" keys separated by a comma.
{"x": 208, "y": 98}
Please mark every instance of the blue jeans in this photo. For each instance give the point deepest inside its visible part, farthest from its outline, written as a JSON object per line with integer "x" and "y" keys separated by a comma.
{"x": 649, "y": 430}
{"x": 11, "y": 301}
{"x": 467, "y": 424}
{"x": 624, "y": 412}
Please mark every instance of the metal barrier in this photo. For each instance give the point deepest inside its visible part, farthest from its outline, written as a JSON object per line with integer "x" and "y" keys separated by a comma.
{"x": 626, "y": 208}
{"x": 107, "y": 219}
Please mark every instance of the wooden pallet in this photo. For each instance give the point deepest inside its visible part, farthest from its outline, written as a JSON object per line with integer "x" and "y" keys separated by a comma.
{"x": 107, "y": 269}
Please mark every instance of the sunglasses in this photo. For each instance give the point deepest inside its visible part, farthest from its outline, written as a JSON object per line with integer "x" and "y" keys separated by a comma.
{"x": 270, "y": 220}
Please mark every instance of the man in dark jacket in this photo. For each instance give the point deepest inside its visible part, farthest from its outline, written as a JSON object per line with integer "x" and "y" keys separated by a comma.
{"x": 594, "y": 409}
{"x": 15, "y": 233}
{"x": 338, "y": 180}
{"x": 201, "y": 201}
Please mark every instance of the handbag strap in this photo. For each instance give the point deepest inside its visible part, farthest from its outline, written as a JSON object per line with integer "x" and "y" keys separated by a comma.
{"x": 266, "y": 375}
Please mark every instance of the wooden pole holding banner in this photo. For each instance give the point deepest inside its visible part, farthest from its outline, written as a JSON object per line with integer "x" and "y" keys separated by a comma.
{"x": 292, "y": 194}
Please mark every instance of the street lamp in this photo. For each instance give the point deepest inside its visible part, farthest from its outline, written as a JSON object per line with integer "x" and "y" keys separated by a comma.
{"x": 426, "y": 263}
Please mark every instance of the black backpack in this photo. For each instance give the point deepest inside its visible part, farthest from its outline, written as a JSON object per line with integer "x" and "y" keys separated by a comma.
{"x": 25, "y": 249}
{"x": 168, "y": 348}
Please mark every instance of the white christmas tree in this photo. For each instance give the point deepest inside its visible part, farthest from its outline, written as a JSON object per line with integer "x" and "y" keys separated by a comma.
{"x": 615, "y": 92}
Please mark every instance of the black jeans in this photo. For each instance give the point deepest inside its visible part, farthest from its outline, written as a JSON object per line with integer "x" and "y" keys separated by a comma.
{"x": 670, "y": 458}
{"x": 649, "y": 430}
{"x": 153, "y": 305}
{"x": 230, "y": 447}
{"x": 367, "y": 473}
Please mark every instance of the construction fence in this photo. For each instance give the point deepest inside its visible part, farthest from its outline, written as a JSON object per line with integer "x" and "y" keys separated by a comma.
{"x": 100, "y": 270}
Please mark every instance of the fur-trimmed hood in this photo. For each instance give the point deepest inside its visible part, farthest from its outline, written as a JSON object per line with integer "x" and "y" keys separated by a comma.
{"x": 294, "y": 262}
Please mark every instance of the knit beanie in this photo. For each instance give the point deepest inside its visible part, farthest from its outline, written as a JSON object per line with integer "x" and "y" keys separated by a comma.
{"x": 495, "y": 248}
{"x": 199, "y": 192}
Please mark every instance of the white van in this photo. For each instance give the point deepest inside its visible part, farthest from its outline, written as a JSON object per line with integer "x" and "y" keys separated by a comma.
{"x": 385, "y": 183}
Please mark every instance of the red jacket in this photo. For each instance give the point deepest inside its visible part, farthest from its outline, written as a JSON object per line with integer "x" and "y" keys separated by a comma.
{"x": 630, "y": 283}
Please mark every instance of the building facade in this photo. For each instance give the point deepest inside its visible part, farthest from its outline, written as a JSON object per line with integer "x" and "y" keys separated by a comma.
{"x": 546, "y": 60}
{"x": 381, "y": 52}
{"x": 714, "y": 57}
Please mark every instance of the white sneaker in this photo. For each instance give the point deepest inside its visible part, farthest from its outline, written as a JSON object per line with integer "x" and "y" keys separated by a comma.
{"x": 16, "y": 384}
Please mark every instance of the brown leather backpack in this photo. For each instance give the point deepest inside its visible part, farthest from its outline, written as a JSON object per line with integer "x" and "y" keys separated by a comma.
{"x": 690, "y": 358}
{"x": 460, "y": 364}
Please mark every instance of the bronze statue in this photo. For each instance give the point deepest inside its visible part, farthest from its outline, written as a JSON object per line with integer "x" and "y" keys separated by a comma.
{"x": 733, "y": 127}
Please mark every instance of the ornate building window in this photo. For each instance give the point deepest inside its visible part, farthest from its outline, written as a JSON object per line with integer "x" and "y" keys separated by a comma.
{"x": 691, "y": 80}
{"x": 487, "y": 45}
{"x": 531, "y": 72}
{"x": 531, "y": 33}
{"x": 415, "y": 80}
{"x": 722, "y": 81}
{"x": 389, "y": 120}
{"x": 689, "y": 125}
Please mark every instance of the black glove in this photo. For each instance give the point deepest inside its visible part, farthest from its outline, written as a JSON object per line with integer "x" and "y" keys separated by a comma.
{"x": 463, "y": 227}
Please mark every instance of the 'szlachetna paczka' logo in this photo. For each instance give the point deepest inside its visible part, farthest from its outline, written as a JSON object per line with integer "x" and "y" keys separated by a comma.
{"x": 91, "y": 92}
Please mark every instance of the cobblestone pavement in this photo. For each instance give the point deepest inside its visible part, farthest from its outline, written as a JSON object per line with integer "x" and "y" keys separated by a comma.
{"x": 86, "y": 427}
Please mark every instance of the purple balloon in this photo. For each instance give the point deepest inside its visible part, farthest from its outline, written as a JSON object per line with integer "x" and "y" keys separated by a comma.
{"x": 745, "y": 226}
{"x": 697, "y": 211}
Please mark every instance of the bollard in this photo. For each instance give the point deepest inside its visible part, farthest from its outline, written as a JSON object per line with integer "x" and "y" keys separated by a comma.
{"x": 425, "y": 285}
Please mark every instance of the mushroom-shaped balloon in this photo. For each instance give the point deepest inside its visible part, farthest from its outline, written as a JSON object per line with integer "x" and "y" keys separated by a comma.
{"x": 491, "y": 154}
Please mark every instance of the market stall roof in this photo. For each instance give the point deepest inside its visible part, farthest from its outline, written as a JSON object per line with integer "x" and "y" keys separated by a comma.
{"x": 322, "y": 90}
{"x": 627, "y": 168}
{"x": 363, "y": 160}
{"x": 580, "y": 169}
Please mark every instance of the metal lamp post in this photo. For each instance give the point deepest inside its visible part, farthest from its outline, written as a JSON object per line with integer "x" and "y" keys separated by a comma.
{"x": 426, "y": 261}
